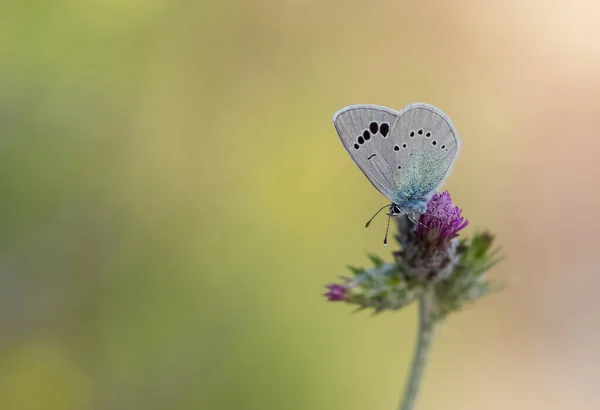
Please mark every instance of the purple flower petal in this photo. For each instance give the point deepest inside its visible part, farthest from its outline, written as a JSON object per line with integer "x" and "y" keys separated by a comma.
{"x": 336, "y": 292}
{"x": 442, "y": 221}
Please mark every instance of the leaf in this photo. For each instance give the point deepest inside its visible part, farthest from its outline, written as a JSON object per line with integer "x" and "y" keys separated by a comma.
{"x": 376, "y": 260}
{"x": 355, "y": 270}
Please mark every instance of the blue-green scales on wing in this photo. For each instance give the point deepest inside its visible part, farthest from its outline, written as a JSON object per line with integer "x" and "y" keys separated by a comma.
{"x": 406, "y": 155}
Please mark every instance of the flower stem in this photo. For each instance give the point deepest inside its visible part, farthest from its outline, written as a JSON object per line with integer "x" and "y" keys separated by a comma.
{"x": 427, "y": 324}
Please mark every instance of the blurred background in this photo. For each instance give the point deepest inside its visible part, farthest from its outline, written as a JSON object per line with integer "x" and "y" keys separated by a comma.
{"x": 174, "y": 196}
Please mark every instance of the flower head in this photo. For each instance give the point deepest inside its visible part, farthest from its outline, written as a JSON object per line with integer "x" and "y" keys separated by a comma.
{"x": 431, "y": 257}
{"x": 442, "y": 221}
{"x": 336, "y": 292}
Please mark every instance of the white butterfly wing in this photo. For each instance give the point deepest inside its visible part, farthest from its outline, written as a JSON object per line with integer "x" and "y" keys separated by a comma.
{"x": 426, "y": 145}
{"x": 365, "y": 131}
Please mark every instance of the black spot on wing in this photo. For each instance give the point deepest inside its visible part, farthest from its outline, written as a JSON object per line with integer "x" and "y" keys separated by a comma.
{"x": 384, "y": 129}
{"x": 373, "y": 127}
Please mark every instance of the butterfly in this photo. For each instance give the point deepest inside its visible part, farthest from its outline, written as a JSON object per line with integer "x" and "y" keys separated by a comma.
{"x": 406, "y": 155}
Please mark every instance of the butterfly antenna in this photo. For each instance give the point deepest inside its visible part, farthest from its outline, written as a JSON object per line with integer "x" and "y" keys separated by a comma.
{"x": 386, "y": 230}
{"x": 376, "y": 213}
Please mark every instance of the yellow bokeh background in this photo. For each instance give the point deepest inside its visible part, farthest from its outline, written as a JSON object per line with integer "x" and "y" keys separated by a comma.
{"x": 174, "y": 198}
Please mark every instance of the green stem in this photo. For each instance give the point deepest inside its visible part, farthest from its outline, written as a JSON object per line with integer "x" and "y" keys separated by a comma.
{"x": 427, "y": 326}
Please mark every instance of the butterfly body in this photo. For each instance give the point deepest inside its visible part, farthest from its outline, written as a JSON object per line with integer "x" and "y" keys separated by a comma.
{"x": 406, "y": 155}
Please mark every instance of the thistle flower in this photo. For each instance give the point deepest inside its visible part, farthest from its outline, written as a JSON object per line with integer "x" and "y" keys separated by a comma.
{"x": 430, "y": 255}
{"x": 337, "y": 292}
{"x": 442, "y": 221}
{"x": 429, "y": 249}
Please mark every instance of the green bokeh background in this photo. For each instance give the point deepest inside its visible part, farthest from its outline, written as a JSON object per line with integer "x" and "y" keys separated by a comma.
{"x": 174, "y": 197}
